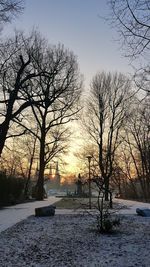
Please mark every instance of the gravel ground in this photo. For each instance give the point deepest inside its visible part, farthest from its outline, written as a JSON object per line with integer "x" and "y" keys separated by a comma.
{"x": 71, "y": 241}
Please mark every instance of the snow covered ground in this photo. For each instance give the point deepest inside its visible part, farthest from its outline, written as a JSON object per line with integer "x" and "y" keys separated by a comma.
{"x": 70, "y": 240}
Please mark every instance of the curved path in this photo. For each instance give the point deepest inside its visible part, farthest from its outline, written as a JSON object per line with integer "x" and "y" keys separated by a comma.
{"x": 130, "y": 206}
{"x": 14, "y": 214}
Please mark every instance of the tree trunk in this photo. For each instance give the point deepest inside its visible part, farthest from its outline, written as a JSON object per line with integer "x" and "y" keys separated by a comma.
{"x": 28, "y": 179}
{"x": 40, "y": 182}
{"x": 4, "y": 127}
{"x": 3, "y": 133}
{"x": 29, "y": 172}
{"x": 106, "y": 183}
{"x": 119, "y": 188}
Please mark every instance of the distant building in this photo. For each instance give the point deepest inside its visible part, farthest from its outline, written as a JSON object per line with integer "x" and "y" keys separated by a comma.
{"x": 53, "y": 181}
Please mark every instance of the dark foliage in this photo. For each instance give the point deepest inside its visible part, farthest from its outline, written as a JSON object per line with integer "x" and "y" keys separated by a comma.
{"x": 11, "y": 189}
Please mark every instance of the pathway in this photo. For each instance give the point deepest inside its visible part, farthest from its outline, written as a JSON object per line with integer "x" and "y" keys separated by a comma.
{"x": 14, "y": 214}
{"x": 130, "y": 206}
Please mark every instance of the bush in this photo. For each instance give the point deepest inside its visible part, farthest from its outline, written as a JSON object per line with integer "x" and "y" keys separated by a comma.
{"x": 107, "y": 223}
{"x": 11, "y": 189}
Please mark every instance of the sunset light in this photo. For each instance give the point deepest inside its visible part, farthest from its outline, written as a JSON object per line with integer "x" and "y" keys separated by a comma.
{"x": 74, "y": 133}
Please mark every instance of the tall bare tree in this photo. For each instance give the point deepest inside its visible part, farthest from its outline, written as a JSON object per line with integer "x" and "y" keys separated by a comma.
{"x": 105, "y": 117}
{"x": 132, "y": 19}
{"x": 19, "y": 66}
{"x": 138, "y": 146}
{"x": 59, "y": 93}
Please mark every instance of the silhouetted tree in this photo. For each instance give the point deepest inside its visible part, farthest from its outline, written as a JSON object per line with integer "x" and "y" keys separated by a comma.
{"x": 137, "y": 141}
{"x": 87, "y": 149}
{"x": 132, "y": 19}
{"x": 59, "y": 92}
{"x": 19, "y": 66}
{"x": 9, "y": 9}
{"x": 31, "y": 146}
{"x": 105, "y": 117}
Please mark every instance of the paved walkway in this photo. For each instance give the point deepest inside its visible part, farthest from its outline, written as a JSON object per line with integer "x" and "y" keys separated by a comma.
{"x": 130, "y": 206}
{"x": 14, "y": 214}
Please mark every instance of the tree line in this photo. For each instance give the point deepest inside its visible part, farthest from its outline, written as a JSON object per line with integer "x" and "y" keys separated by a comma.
{"x": 116, "y": 124}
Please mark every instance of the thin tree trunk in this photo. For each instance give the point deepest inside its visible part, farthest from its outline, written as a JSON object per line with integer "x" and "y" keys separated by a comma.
{"x": 106, "y": 182}
{"x": 40, "y": 182}
{"x": 30, "y": 168}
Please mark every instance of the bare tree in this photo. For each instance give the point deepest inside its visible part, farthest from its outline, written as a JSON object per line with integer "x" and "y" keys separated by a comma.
{"x": 10, "y": 9}
{"x": 87, "y": 149}
{"x": 19, "y": 66}
{"x": 31, "y": 146}
{"x": 14, "y": 158}
{"x": 105, "y": 117}
{"x": 122, "y": 178}
{"x": 138, "y": 147}
{"x": 142, "y": 78}
{"x": 59, "y": 94}
{"x": 132, "y": 19}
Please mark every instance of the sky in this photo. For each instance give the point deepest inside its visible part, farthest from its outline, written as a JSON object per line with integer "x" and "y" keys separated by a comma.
{"x": 77, "y": 24}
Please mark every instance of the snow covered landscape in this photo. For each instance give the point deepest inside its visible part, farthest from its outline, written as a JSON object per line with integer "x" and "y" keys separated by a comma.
{"x": 72, "y": 240}
{"x": 75, "y": 133}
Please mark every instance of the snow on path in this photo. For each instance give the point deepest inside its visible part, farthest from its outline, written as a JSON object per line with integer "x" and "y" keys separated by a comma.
{"x": 14, "y": 214}
{"x": 130, "y": 206}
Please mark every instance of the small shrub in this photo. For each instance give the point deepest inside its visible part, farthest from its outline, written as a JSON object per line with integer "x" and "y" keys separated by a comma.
{"x": 106, "y": 223}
